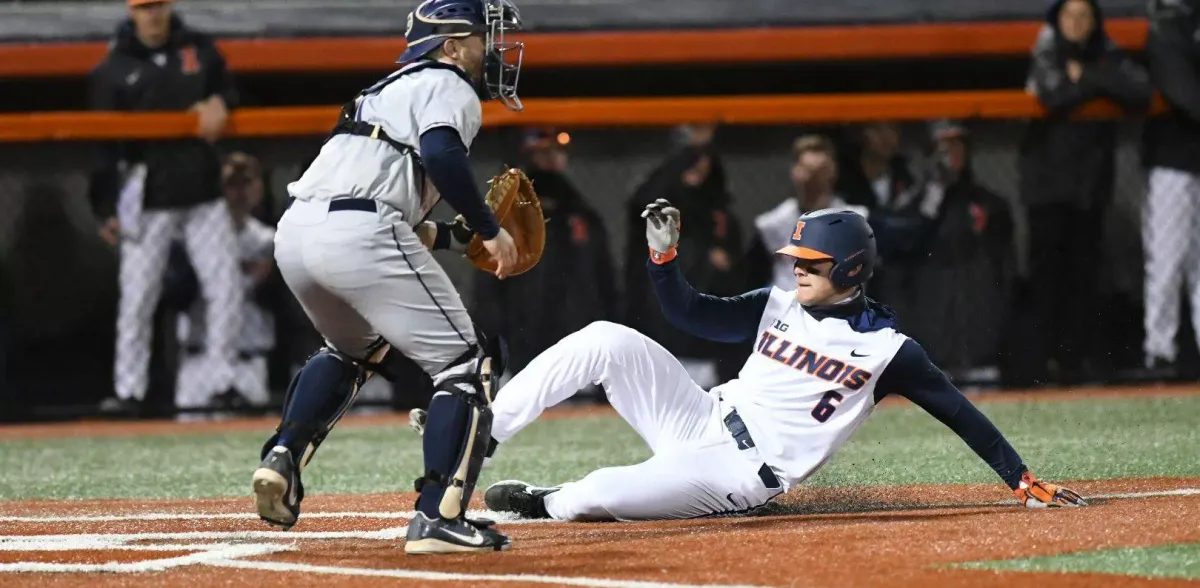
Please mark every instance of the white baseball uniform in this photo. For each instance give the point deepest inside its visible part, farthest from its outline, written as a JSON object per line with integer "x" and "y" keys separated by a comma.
{"x": 1171, "y": 241}
{"x": 364, "y": 274}
{"x": 208, "y": 235}
{"x": 813, "y": 377}
{"x": 256, "y": 335}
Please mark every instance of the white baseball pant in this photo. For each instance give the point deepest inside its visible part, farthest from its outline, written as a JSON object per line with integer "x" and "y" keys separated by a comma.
{"x": 1171, "y": 244}
{"x": 362, "y": 275}
{"x": 697, "y": 468}
{"x": 212, "y": 249}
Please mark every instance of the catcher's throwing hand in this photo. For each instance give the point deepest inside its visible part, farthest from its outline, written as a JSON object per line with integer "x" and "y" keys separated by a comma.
{"x": 503, "y": 252}
{"x": 662, "y": 226}
{"x": 1034, "y": 493}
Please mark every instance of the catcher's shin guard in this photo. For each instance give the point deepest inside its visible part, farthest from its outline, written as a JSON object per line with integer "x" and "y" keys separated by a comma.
{"x": 317, "y": 398}
{"x": 457, "y": 433}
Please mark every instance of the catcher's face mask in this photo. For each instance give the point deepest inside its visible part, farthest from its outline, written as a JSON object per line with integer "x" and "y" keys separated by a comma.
{"x": 502, "y": 62}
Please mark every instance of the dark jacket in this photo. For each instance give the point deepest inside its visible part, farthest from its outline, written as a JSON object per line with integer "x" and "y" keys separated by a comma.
{"x": 901, "y": 230}
{"x": 132, "y": 77}
{"x": 708, "y": 227}
{"x": 1173, "y": 57}
{"x": 1064, "y": 161}
{"x": 572, "y": 286}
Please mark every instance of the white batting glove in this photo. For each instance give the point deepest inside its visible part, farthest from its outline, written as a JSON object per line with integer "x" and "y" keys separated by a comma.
{"x": 662, "y": 227}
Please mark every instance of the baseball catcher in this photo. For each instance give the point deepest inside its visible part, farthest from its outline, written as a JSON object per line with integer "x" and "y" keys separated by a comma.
{"x": 354, "y": 247}
{"x": 821, "y": 357}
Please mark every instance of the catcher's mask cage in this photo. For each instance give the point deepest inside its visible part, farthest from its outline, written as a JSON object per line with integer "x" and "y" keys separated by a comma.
{"x": 502, "y": 64}
{"x": 434, "y": 21}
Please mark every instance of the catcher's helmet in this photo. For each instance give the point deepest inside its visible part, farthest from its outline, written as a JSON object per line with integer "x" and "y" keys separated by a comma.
{"x": 434, "y": 21}
{"x": 841, "y": 236}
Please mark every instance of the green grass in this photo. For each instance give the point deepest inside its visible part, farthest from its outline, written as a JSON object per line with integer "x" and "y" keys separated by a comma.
{"x": 1085, "y": 439}
{"x": 1173, "y": 561}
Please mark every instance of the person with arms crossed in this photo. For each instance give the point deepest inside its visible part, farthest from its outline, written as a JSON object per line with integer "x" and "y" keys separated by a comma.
{"x": 354, "y": 248}
{"x": 824, "y": 354}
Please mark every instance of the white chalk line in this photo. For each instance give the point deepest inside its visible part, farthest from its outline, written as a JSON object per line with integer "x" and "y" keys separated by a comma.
{"x": 247, "y": 516}
{"x": 271, "y": 566}
{"x": 209, "y": 554}
{"x": 119, "y": 538}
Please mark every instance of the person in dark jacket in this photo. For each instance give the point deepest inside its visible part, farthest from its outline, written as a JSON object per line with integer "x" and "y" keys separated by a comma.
{"x": 712, "y": 244}
{"x": 1067, "y": 172}
{"x": 968, "y": 280}
{"x": 1171, "y": 154}
{"x": 148, "y": 191}
{"x": 875, "y": 174}
{"x": 574, "y": 283}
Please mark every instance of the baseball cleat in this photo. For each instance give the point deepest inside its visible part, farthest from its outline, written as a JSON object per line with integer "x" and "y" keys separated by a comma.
{"x": 277, "y": 489}
{"x": 525, "y": 499}
{"x": 461, "y": 535}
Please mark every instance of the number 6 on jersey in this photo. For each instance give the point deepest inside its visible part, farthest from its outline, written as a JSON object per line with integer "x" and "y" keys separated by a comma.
{"x": 824, "y": 409}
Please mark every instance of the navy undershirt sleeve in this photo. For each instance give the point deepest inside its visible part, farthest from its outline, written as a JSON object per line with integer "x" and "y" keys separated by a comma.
{"x": 445, "y": 160}
{"x": 912, "y": 375}
{"x": 731, "y": 319}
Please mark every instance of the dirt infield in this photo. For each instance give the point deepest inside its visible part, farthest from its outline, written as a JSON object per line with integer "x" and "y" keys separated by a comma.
{"x": 871, "y": 536}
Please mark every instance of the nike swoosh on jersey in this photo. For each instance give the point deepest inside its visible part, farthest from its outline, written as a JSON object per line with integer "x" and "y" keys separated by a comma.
{"x": 855, "y": 353}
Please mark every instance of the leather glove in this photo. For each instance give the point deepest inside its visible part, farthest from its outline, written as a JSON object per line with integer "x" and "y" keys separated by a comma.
{"x": 1034, "y": 493}
{"x": 662, "y": 230}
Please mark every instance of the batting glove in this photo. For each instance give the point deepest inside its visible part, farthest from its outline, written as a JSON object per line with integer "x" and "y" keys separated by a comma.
{"x": 1034, "y": 493}
{"x": 662, "y": 230}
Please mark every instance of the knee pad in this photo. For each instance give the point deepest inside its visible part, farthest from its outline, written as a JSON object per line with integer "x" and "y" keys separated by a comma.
{"x": 317, "y": 398}
{"x": 457, "y": 437}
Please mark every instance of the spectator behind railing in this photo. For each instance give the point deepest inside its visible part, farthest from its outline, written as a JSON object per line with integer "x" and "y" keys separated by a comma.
{"x": 148, "y": 191}
{"x": 966, "y": 287}
{"x": 902, "y": 204}
{"x": 692, "y": 179}
{"x": 574, "y": 283}
{"x": 244, "y": 192}
{"x": 1067, "y": 170}
{"x": 1171, "y": 154}
{"x": 814, "y": 173}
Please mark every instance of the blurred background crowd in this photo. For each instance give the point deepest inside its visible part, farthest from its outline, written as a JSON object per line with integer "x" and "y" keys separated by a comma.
{"x": 1047, "y": 252}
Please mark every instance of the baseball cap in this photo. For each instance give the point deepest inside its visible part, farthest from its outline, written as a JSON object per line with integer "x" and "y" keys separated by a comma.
{"x": 134, "y": 3}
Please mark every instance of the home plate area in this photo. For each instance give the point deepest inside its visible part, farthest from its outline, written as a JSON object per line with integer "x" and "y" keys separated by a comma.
{"x": 918, "y": 534}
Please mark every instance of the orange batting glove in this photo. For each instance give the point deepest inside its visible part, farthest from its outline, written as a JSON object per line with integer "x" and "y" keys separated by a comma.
{"x": 1034, "y": 493}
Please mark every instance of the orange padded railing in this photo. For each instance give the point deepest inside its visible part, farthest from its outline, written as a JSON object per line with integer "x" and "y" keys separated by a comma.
{"x": 608, "y": 49}
{"x": 581, "y": 112}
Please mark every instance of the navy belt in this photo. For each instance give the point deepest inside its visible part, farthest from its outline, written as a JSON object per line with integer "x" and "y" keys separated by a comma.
{"x": 737, "y": 428}
{"x": 359, "y": 204}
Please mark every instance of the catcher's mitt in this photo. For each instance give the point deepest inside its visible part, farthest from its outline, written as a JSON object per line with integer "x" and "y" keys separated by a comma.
{"x": 519, "y": 211}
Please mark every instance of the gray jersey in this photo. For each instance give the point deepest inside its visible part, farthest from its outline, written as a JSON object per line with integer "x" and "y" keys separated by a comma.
{"x": 361, "y": 167}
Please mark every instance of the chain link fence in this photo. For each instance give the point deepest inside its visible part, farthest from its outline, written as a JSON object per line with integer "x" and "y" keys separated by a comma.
{"x": 64, "y": 287}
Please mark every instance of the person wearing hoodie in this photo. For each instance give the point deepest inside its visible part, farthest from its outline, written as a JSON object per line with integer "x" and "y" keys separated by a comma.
{"x": 573, "y": 284}
{"x": 814, "y": 173}
{"x": 708, "y": 255}
{"x": 147, "y": 191}
{"x": 967, "y": 284}
{"x": 1067, "y": 170}
{"x": 1171, "y": 155}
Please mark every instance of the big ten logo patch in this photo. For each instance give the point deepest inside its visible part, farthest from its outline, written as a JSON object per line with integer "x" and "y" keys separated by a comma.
{"x": 188, "y": 61}
{"x": 579, "y": 230}
{"x": 816, "y": 364}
